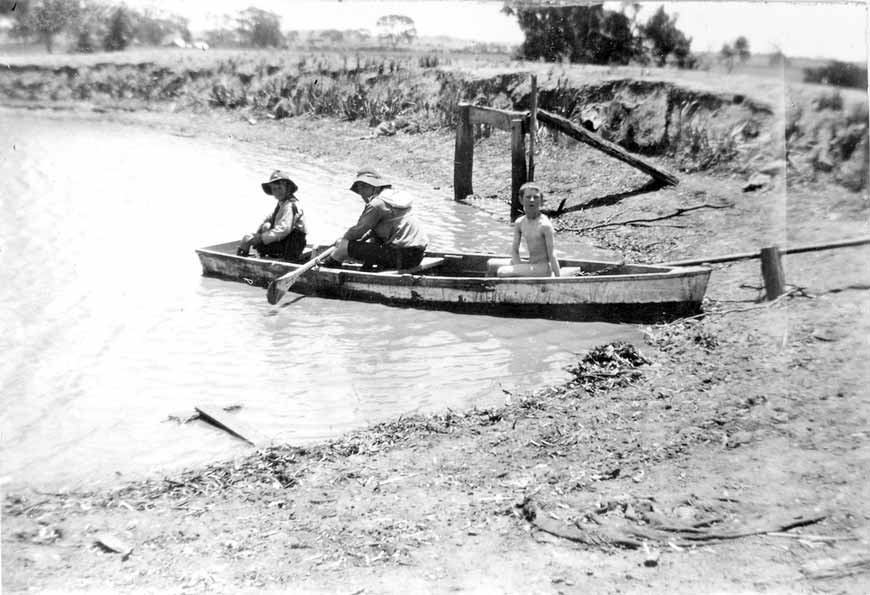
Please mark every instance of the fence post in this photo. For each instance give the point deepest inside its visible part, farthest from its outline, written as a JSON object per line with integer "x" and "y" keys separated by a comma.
{"x": 518, "y": 166}
{"x": 463, "y": 159}
{"x": 771, "y": 271}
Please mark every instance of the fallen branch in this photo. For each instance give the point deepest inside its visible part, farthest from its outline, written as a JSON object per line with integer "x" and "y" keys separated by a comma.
{"x": 839, "y": 568}
{"x": 620, "y": 533}
{"x": 680, "y": 211}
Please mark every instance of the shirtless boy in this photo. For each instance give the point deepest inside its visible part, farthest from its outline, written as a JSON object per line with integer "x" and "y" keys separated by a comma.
{"x": 538, "y": 231}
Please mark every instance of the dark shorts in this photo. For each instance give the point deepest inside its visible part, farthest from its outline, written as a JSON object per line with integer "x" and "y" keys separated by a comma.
{"x": 289, "y": 249}
{"x": 385, "y": 257}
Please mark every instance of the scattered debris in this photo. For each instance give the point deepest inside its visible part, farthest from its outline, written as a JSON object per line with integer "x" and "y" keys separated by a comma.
{"x": 652, "y": 556}
{"x": 110, "y": 543}
{"x": 647, "y": 524}
{"x": 608, "y": 366}
{"x": 757, "y": 182}
{"x": 848, "y": 565}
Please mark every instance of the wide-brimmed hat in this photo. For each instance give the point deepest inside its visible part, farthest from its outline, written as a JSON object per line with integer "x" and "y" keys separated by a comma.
{"x": 369, "y": 176}
{"x": 278, "y": 176}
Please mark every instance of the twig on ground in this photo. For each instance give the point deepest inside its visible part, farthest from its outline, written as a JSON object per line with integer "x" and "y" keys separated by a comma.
{"x": 680, "y": 211}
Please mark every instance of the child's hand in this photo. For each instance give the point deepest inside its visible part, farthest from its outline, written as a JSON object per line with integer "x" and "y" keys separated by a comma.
{"x": 265, "y": 227}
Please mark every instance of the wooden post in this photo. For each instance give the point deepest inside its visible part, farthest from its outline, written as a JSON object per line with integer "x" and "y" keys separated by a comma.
{"x": 463, "y": 159}
{"x": 518, "y": 166}
{"x": 771, "y": 271}
{"x": 533, "y": 128}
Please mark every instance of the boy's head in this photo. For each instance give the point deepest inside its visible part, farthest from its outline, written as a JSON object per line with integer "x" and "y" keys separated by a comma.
{"x": 532, "y": 198}
{"x": 280, "y": 185}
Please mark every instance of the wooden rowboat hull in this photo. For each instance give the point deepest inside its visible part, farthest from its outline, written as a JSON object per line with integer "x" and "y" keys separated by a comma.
{"x": 457, "y": 282}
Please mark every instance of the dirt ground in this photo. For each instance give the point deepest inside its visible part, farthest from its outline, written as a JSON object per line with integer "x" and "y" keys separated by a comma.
{"x": 728, "y": 454}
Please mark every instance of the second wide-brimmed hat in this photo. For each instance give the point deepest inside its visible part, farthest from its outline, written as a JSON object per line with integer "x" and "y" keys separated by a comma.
{"x": 370, "y": 176}
{"x": 277, "y": 176}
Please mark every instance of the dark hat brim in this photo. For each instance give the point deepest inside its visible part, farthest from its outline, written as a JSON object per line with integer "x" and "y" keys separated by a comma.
{"x": 267, "y": 186}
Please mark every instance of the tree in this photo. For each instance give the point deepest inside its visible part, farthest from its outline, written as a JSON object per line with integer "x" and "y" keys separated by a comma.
{"x": 617, "y": 42}
{"x": 777, "y": 58}
{"x": 120, "y": 31}
{"x": 153, "y": 28}
{"x": 741, "y": 47}
{"x": 259, "y": 28}
{"x": 396, "y": 28}
{"x": 726, "y": 56}
{"x": 666, "y": 40}
{"x": 45, "y": 18}
{"x": 568, "y": 32}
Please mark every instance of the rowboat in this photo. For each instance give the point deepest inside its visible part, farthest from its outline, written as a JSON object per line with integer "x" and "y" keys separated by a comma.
{"x": 587, "y": 289}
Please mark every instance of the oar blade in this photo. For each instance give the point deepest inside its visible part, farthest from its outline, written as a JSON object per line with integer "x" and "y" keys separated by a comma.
{"x": 278, "y": 287}
{"x": 274, "y": 293}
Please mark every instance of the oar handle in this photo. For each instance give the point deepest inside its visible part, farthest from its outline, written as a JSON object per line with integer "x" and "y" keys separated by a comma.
{"x": 278, "y": 287}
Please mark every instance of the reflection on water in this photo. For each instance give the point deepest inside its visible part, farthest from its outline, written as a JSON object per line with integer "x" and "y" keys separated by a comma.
{"x": 109, "y": 326}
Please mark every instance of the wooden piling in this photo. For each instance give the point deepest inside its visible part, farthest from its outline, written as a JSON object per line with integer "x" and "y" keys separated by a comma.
{"x": 533, "y": 128}
{"x": 771, "y": 271}
{"x": 518, "y": 166}
{"x": 463, "y": 160}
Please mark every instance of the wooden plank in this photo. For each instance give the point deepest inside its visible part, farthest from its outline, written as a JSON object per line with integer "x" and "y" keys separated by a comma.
{"x": 590, "y": 138}
{"x": 216, "y": 416}
{"x": 518, "y": 167}
{"x": 497, "y": 118}
{"x": 463, "y": 159}
{"x": 771, "y": 271}
{"x": 749, "y": 255}
{"x": 429, "y": 262}
{"x": 533, "y": 128}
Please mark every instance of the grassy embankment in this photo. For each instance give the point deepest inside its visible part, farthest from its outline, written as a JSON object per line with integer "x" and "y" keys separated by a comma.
{"x": 698, "y": 120}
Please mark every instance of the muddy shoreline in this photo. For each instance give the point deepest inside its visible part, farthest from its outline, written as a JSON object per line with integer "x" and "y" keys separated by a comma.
{"x": 755, "y": 413}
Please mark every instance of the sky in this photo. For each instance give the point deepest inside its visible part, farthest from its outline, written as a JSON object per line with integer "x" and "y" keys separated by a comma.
{"x": 806, "y": 29}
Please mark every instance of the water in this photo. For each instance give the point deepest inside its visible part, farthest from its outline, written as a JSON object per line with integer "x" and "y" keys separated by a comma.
{"x": 108, "y": 326}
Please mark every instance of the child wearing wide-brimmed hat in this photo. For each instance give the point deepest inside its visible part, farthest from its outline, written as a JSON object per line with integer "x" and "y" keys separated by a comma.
{"x": 282, "y": 234}
{"x": 387, "y": 235}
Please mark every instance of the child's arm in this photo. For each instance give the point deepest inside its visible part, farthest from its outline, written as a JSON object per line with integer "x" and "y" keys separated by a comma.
{"x": 283, "y": 226}
{"x": 551, "y": 252}
{"x": 515, "y": 246}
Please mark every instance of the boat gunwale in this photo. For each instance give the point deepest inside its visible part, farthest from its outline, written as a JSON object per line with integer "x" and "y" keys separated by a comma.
{"x": 664, "y": 272}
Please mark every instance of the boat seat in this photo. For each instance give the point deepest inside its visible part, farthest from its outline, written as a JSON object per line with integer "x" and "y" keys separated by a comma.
{"x": 428, "y": 262}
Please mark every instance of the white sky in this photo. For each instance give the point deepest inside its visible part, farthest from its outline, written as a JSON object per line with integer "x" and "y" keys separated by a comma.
{"x": 809, "y": 29}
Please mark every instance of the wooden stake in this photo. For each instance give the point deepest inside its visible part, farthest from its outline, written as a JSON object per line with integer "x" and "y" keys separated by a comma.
{"x": 518, "y": 166}
{"x": 463, "y": 161}
{"x": 771, "y": 270}
{"x": 533, "y": 127}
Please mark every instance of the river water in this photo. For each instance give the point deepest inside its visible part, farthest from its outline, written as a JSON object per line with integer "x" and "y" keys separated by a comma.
{"x": 108, "y": 326}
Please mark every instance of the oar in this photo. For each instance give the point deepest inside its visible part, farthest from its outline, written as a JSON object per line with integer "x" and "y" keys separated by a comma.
{"x": 278, "y": 287}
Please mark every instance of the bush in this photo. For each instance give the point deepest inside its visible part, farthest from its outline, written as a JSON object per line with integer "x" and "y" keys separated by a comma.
{"x": 838, "y": 74}
{"x": 831, "y": 101}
